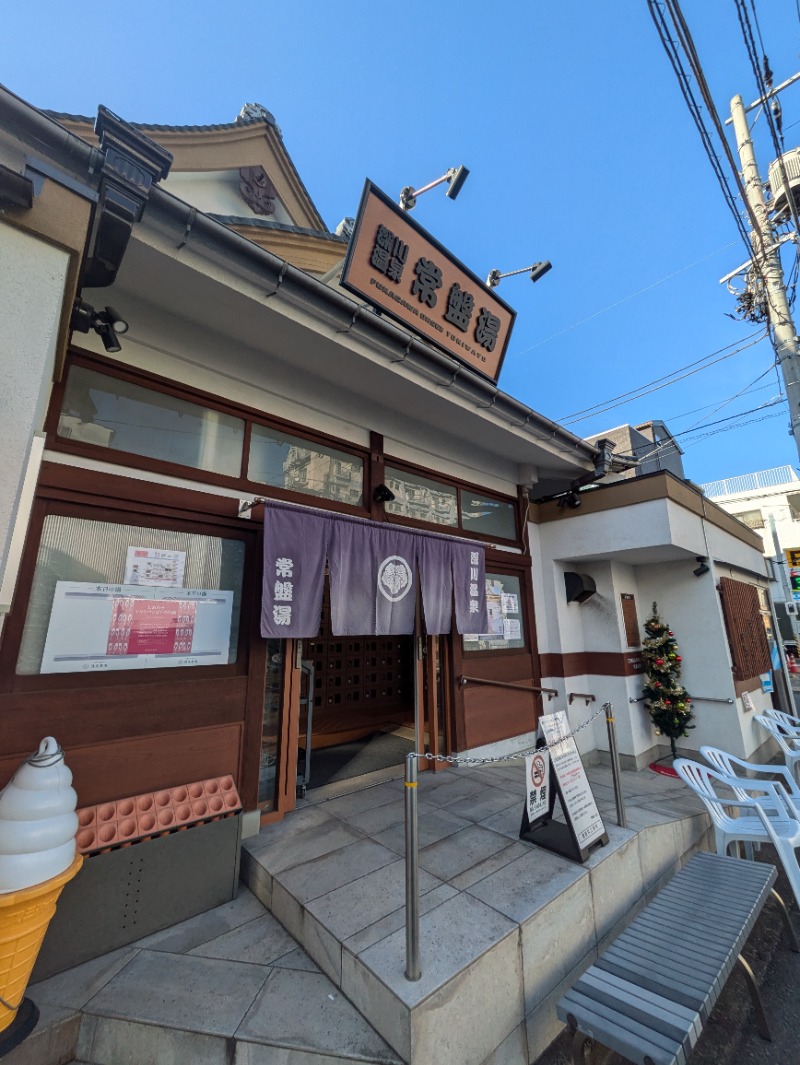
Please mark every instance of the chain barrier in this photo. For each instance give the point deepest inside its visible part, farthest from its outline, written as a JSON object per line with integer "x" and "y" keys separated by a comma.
{"x": 413, "y": 758}
{"x": 454, "y": 759}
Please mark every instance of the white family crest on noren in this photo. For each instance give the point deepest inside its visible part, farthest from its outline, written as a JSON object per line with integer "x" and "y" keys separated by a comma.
{"x": 394, "y": 578}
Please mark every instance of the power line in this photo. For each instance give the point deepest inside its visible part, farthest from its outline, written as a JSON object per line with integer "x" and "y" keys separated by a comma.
{"x": 663, "y": 382}
{"x": 674, "y": 57}
{"x": 696, "y": 410}
{"x": 618, "y": 303}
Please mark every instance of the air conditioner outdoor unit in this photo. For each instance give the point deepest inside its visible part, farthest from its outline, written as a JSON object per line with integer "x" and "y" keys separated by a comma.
{"x": 780, "y": 195}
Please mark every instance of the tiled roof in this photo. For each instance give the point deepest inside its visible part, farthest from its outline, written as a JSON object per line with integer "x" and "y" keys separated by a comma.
{"x": 61, "y": 116}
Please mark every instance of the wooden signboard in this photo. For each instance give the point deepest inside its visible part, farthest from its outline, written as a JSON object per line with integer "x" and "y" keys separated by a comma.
{"x": 582, "y": 829}
{"x": 398, "y": 267}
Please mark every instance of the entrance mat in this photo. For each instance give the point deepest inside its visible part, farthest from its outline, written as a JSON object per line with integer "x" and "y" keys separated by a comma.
{"x": 378, "y": 751}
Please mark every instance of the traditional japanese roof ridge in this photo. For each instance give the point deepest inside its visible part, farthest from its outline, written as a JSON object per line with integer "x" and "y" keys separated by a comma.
{"x": 176, "y": 138}
{"x": 63, "y": 116}
{"x": 285, "y": 227}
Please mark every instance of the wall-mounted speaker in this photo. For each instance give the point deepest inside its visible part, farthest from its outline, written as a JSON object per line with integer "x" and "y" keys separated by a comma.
{"x": 580, "y": 587}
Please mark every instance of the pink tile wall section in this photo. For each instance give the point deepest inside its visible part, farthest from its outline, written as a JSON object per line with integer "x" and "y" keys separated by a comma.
{"x": 119, "y": 824}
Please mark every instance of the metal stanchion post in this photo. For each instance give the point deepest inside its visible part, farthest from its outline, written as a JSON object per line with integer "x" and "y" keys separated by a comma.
{"x": 413, "y": 971}
{"x": 612, "y": 749}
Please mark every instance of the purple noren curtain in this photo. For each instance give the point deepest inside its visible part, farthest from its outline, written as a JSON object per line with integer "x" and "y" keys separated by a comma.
{"x": 373, "y": 574}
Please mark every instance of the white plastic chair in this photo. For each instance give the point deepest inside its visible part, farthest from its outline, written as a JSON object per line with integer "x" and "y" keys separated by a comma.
{"x": 788, "y": 720}
{"x": 787, "y": 739}
{"x": 767, "y": 815}
{"x": 731, "y": 766}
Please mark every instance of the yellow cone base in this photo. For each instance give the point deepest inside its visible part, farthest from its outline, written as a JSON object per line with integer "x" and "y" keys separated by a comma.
{"x": 24, "y": 917}
{"x": 21, "y": 1027}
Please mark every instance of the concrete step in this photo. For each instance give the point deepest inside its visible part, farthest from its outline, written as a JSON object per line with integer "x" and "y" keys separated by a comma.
{"x": 504, "y": 926}
{"x": 227, "y": 987}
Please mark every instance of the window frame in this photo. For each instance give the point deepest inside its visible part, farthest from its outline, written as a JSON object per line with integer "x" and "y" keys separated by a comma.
{"x": 250, "y": 415}
{"x": 460, "y": 486}
{"x": 740, "y": 516}
{"x": 67, "y": 506}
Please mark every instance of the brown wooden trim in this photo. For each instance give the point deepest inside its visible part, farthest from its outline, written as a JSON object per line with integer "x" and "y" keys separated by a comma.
{"x": 286, "y": 779}
{"x": 652, "y": 486}
{"x": 92, "y": 714}
{"x": 249, "y": 415}
{"x": 377, "y": 511}
{"x": 593, "y": 663}
{"x": 62, "y": 502}
{"x": 256, "y": 688}
{"x": 752, "y": 684}
{"x": 117, "y": 490}
{"x": 630, "y": 619}
{"x": 374, "y": 459}
{"x": 135, "y": 764}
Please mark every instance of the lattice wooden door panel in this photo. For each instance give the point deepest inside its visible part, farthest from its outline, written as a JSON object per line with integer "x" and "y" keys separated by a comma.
{"x": 361, "y": 683}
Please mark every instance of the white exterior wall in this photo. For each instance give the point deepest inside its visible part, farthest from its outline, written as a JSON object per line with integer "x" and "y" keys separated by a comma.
{"x": 650, "y": 552}
{"x": 32, "y": 280}
{"x": 217, "y": 192}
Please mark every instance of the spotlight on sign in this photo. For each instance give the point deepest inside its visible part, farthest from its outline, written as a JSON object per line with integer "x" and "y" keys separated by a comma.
{"x": 455, "y": 178}
{"x": 535, "y": 271}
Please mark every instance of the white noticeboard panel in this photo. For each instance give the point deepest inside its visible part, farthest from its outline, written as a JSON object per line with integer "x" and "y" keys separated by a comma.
{"x": 576, "y": 791}
{"x": 103, "y": 627}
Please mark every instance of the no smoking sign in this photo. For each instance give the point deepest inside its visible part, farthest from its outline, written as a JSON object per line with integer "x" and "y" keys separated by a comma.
{"x": 537, "y": 770}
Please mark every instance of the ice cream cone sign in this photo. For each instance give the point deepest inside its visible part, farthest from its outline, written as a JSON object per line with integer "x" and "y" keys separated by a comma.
{"x": 38, "y": 825}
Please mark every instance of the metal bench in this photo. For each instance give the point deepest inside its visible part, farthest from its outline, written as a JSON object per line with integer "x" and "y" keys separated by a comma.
{"x": 650, "y": 993}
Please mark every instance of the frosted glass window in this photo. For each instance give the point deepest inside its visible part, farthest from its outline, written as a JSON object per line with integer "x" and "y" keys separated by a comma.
{"x": 79, "y": 558}
{"x": 421, "y": 498}
{"x": 489, "y": 517}
{"x": 113, "y": 413}
{"x": 300, "y": 465}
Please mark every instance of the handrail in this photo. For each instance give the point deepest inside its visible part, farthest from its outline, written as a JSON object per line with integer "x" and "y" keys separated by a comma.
{"x": 695, "y": 699}
{"x": 464, "y": 681}
{"x": 581, "y": 695}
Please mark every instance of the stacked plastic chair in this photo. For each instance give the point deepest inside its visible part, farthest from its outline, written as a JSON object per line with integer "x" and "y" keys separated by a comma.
{"x": 768, "y": 814}
{"x": 787, "y": 736}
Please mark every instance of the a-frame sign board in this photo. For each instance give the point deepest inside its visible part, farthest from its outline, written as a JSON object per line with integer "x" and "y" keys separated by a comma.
{"x": 583, "y": 828}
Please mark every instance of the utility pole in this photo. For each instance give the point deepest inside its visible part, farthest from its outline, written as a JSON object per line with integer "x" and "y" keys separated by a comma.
{"x": 766, "y": 256}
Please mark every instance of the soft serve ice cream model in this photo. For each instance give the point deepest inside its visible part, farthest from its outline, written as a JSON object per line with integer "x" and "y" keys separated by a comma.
{"x": 38, "y": 825}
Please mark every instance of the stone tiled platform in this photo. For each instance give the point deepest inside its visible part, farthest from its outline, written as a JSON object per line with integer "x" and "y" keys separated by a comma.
{"x": 307, "y": 967}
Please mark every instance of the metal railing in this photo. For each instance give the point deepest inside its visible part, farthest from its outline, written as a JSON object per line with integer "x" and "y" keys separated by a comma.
{"x": 549, "y": 692}
{"x": 695, "y": 699}
{"x": 580, "y": 695}
{"x": 413, "y": 758}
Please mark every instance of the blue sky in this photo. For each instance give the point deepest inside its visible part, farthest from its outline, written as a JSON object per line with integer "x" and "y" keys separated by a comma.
{"x": 580, "y": 146}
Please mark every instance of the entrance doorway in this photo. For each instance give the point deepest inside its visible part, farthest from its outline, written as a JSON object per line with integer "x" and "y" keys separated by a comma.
{"x": 356, "y": 705}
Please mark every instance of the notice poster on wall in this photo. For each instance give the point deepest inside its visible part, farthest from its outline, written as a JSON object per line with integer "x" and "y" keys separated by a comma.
{"x": 505, "y": 617}
{"x": 154, "y": 568}
{"x": 101, "y": 627}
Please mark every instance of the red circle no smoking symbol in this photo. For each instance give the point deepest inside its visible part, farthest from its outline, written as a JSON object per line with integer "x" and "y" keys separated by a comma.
{"x": 537, "y": 771}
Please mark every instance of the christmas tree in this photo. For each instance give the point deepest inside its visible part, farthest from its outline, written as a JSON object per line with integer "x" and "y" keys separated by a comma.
{"x": 669, "y": 706}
